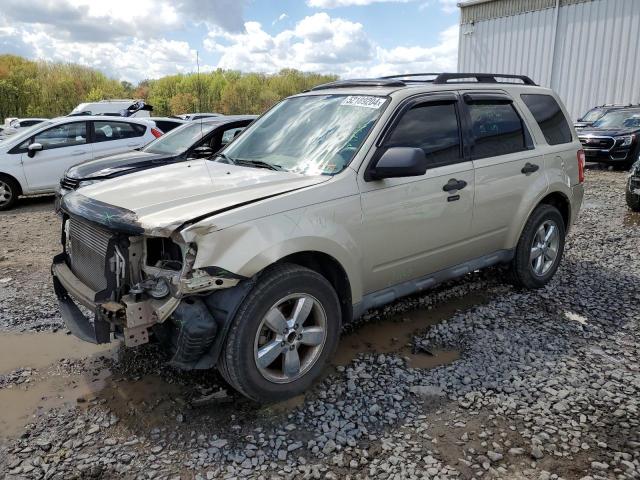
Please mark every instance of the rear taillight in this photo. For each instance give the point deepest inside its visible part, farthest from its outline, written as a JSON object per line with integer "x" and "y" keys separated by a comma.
{"x": 581, "y": 166}
{"x": 156, "y": 133}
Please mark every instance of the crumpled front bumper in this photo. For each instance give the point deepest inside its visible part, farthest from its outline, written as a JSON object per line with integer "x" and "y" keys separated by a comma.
{"x": 69, "y": 288}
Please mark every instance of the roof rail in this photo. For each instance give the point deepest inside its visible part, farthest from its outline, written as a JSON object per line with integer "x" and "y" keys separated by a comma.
{"x": 365, "y": 82}
{"x": 483, "y": 77}
{"x": 439, "y": 78}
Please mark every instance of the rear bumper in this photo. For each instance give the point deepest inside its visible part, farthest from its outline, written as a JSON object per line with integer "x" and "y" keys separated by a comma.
{"x": 69, "y": 288}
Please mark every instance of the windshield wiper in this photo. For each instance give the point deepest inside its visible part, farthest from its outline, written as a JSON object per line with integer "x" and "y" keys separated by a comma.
{"x": 225, "y": 157}
{"x": 258, "y": 164}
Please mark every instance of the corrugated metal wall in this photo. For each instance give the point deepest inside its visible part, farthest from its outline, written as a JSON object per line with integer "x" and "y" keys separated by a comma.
{"x": 593, "y": 58}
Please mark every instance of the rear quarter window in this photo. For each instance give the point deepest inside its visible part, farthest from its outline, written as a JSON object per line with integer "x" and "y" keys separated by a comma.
{"x": 549, "y": 117}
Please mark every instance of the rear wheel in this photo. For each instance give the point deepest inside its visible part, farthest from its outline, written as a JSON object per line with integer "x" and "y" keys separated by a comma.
{"x": 539, "y": 249}
{"x": 9, "y": 191}
{"x": 633, "y": 199}
{"x": 283, "y": 334}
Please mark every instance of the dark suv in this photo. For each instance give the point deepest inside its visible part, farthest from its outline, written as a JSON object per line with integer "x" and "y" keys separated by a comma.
{"x": 596, "y": 113}
{"x": 613, "y": 139}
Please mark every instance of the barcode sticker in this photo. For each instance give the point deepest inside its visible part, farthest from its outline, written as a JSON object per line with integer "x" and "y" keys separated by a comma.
{"x": 363, "y": 101}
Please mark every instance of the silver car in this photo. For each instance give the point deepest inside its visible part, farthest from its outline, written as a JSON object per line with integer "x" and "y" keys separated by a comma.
{"x": 335, "y": 201}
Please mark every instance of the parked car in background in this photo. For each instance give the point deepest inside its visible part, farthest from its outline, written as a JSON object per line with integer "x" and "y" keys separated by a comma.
{"x": 18, "y": 124}
{"x": 166, "y": 124}
{"x": 595, "y": 114}
{"x": 33, "y": 161}
{"x": 335, "y": 201}
{"x": 115, "y": 108}
{"x": 189, "y": 117}
{"x": 613, "y": 139}
{"x": 633, "y": 187}
{"x": 190, "y": 140}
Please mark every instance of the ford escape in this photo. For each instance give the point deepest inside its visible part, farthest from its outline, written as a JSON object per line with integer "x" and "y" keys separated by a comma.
{"x": 335, "y": 201}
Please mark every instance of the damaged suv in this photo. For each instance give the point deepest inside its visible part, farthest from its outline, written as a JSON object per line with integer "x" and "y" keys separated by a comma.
{"x": 335, "y": 201}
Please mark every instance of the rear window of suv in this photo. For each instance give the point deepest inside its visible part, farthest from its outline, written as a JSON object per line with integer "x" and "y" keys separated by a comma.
{"x": 550, "y": 118}
{"x": 497, "y": 129}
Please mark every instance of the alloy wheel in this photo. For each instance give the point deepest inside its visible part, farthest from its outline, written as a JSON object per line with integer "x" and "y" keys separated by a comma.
{"x": 290, "y": 338}
{"x": 544, "y": 248}
{"x": 6, "y": 194}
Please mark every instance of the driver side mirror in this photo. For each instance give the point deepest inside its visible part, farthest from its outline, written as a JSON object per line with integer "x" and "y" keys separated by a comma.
{"x": 202, "y": 152}
{"x": 33, "y": 148}
{"x": 398, "y": 162}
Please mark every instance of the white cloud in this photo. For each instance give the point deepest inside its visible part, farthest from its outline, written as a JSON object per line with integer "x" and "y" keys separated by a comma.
{"x": 348, "y": 3}
{"x": 449, "y": 6}
{"x": 320, "y": 43}
{"x": 125, "y": 39}
{"x": 281, "y": 17}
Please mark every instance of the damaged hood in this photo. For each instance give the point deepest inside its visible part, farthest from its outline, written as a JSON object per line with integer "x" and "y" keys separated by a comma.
{"x": 160, "y": 200}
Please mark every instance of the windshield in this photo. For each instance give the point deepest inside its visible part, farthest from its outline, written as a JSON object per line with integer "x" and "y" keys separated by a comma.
{"x": 593, "y": 115}
{"x": 313, "y": 134}
{"x": 180, "y": 139}
{"x": 619, "y": 119}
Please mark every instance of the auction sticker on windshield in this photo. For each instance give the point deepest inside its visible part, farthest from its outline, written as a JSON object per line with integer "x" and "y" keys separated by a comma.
{"x": 363, "y": 101}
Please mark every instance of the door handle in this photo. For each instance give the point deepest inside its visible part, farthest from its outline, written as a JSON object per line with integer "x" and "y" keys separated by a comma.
{"x": 78, "y": 152}
{"x": 132, "y": 144}
{"x": 454, "y": 184}
{"x": 529, "y": 168}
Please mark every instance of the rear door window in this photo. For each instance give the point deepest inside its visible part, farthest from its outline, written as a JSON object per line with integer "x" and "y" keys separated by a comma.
{"x": 105, "y": 131}
{"x": 434, "y": 128}
{"x": 497, "y": 129}
{"x": 550, "y": 118}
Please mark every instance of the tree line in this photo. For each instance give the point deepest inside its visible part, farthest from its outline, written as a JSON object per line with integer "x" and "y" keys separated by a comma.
{"x": 47, "y": 89}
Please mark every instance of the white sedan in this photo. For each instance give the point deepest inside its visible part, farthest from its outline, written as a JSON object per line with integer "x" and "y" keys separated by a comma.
{"x": 33, "y": 161}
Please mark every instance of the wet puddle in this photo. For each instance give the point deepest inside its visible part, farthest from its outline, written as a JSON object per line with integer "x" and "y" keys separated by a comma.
{"x": 394, "y": 335}
{"x": 49, "y": 387}
{"x": 37, "y": 350}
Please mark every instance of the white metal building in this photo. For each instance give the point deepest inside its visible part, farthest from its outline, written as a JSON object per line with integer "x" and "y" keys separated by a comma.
{"x": 588, "y": 51}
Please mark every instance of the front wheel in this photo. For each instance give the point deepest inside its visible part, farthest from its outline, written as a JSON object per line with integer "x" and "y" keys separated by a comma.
{"x": 539, "y": 249}
{"x": 282, "y": 335}
{"x": 9, "y": 191}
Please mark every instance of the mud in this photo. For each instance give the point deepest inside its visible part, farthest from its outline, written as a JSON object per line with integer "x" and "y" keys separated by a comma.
{"x": 394, "y": 334}
{"x": 37, "y": 350}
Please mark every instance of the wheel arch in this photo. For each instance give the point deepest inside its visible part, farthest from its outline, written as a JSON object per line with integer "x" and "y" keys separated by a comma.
{"x": 11, "y": 177}
{"x": 555, "y": 198}
{"x": 332, "y": 270}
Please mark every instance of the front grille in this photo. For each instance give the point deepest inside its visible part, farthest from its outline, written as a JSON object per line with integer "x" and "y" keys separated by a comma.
{"x": 87, "y": 253}
{"x": 68, "y": 183}
{"x": 599, "y": 143}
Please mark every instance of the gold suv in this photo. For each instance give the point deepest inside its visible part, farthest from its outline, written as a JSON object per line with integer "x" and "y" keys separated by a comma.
{"x": 335, "y": 201}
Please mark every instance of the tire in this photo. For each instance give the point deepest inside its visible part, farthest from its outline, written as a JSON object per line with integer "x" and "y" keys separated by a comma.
{"x": 9, "y": 191}
{"x": 278, "y": 291}
{"x": 524, "y": 272}
{"x": 633, "y": 199}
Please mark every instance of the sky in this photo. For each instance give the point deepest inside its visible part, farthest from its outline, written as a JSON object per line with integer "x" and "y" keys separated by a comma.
{"x": 137, "y": 39}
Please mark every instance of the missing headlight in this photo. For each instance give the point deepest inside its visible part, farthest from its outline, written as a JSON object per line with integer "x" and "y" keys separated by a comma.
{"x": 163, "y": 253}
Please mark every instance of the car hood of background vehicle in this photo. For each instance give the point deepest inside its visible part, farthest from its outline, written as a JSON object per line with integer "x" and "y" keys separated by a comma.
{"x": 160, "y": 200}
{"x": 607, "y": 132}
{"x": 115, "y": 165}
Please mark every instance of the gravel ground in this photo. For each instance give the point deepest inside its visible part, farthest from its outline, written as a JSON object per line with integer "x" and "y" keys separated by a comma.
{"x": 547, "y": 384}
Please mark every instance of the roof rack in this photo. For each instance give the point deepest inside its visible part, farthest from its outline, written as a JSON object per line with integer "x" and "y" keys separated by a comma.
{"x": 441, "y": 78}
{"x": 438, "y": 78}
{"x": 365, "y": 82}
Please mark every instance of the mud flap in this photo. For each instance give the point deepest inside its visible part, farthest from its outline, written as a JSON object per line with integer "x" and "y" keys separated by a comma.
{"x": 75, "y": 320}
